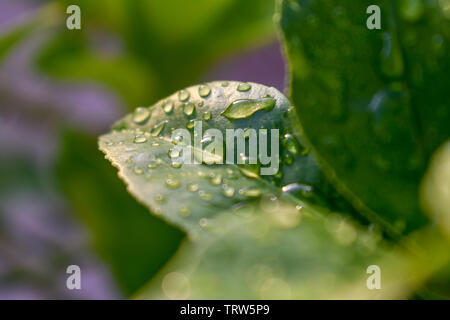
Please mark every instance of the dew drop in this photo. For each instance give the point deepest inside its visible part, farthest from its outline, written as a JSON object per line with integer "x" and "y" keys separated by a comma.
{"x": 140, "y": 139}
{"x": 155, "y": 163}
{"x": 216, "y": 180}
{"x": 160, "y": 198}
{"x": 184, "y": 212}
{"x": 203, "y": 222}
{"x": 188, "y": 108}
{"x": 176, "y": 164}
{"x": 290, "y": 143}
{"x": 192, "y": 187}
{"x": 141, "y": 115}
{"x": 172, "y": 183}
{"x": 184, "y": 95}
{"x": 305, "y": 190}
{"x": 204, "y": 91}
{"x": 227, "y": 191}
{"x": 243, "y": 86}
{"x": 225, "y": 84}
{"x": 174, "y": 153}
{"x": 205, "y": 195}
{"x": 168, "y": 106}
{"x": 207, "y": 116}
{"x": 250, "y": 170}
{"x": 158, "y": 128}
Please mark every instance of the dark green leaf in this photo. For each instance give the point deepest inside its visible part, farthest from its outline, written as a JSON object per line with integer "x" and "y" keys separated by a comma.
{"x": 372, "y": 103}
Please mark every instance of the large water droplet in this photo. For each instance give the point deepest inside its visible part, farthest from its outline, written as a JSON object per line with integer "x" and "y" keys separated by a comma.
{"x": 183, "y": 95}
{"x": 141, "y": 115}
{"x": 168, "y": 106}
{"x": 156, "y": 131}
{"x": 243, "y": 86}
{"x": 244, "y": 108}
{"x": 204, "y": 90}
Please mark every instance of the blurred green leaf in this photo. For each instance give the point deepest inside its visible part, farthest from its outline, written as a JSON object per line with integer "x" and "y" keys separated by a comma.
{"x": 283, "y": 253}
{"x": 134, "y": 243}
{"x": 158, "y": 46}
{"x": 435, "y": 188}
{"x": 372, "y": 103}
{"x": 269, "y": 252}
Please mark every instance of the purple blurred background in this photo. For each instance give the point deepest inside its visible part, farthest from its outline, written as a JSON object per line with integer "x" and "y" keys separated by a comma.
{"x": 39, "y": 235}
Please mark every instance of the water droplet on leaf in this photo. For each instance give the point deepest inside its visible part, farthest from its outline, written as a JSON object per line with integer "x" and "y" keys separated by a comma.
{"x": 141, "y": 115}
{"x": 244, "y": 108}
{"x": 168, "y": 107}
{"x": 243, "y": 86}
{"x": 158, "y": 128}
{"x": 184, "y": 95}
{"x": 140, "y": 139}
{"x": 172, "y": 183}
{"x": 188, "y": 108}
{"x": 204, "y": 91}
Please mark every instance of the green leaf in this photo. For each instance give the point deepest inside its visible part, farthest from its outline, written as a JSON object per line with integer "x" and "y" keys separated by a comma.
{"x": 133, "y": 243}
{"x": 269, "y": 251}
{"x": 142, "y": 147}
{"x": 372, "y": 103}
{"x": 159, "y": 46}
